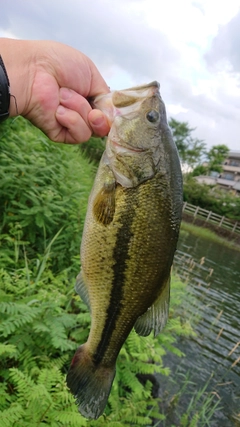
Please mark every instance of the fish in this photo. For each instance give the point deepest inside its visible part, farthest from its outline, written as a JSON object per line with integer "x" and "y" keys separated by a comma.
{"x": 129, "y": 238}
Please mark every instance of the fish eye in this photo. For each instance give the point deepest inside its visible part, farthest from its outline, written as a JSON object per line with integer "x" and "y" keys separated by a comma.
{"x": 152, "y": 116}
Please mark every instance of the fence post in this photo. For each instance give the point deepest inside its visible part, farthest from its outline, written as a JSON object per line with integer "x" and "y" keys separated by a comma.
{"x": 196, "y": 211}
{"x": 234, "y": 227}
{"x": 220, "y": 223}
{"x": 209, "y": 215}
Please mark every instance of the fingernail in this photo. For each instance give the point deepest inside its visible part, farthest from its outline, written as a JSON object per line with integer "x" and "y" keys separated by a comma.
{"x": 65, "y": 93}
{"x": 61, "y": 109}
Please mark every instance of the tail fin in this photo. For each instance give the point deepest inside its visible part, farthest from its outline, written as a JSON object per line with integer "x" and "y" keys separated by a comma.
{"x": 89, "y": 383}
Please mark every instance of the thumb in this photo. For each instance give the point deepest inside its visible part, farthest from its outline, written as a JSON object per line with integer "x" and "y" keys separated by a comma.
{"x": 98, "y": 123}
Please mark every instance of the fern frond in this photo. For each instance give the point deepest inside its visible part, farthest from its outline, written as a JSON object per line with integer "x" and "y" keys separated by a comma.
{"x": 21, "y": 315}
{"x": 50, "y": 378}
{"x": 73, "y": 419}
{"x": 29, "y": 362}
{"x": 130, "y": 380}
{"x": 10, "y": 416}
{"x": 115, "y": 424}
{"x": 8, "y": 350}
{"x": 23, "y": 383}
{"x": 58, "y": 362}
{"x": 59, "y": 337}
{"x": 4, "y": 396}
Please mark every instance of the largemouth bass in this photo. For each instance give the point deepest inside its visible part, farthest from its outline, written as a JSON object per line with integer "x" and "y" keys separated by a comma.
{"x": 129, "y": 238}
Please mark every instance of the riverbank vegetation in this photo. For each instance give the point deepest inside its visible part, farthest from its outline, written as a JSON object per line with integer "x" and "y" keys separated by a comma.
{"x": 211, "y": 198}
{"x": 206, "y": 233}
{"x": 44, "y": 193}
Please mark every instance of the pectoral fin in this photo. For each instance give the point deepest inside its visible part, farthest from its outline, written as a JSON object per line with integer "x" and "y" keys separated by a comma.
{"x": 81, "y": 289}
{"x": 104, "y": 203}
{"x": 155, "y": 318}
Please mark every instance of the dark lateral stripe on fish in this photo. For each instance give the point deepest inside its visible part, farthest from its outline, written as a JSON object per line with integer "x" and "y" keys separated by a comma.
{"x": 115, "y": 302}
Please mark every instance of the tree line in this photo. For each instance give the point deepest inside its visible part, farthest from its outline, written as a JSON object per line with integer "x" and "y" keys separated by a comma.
{"x": 193, "y": 152}
{"x": 197, "y": 160}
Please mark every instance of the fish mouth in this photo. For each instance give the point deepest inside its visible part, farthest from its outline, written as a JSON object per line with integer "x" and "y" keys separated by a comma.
{"x": 125, "y": 102}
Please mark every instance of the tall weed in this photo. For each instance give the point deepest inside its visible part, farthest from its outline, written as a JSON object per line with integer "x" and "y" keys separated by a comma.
{"x": 44, "y": 188}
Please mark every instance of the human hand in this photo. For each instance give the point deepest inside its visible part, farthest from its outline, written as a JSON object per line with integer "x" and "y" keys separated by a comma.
{"x": 51, "y": 83}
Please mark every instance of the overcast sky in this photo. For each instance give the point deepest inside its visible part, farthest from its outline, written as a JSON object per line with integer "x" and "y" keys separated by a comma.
{"x": 191, "y": 47}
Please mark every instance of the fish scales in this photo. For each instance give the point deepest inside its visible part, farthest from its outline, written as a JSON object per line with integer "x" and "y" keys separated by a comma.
{"x": 132, "y": 244}
{"x": 129, "y": 239}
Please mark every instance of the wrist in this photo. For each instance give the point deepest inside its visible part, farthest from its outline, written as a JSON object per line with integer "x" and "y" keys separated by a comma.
{"x": 15, "y": 54}
{"x": 4, "y": 92}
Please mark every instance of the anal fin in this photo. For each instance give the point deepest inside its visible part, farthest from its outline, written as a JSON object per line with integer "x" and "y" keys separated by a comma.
{"x": 155, "y": 318}
{"x": 81, "y": 289}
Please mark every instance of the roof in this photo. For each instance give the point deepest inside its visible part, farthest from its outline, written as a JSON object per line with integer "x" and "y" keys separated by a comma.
{"x": 235, "y": 154}
{"x": 237, "y": 186}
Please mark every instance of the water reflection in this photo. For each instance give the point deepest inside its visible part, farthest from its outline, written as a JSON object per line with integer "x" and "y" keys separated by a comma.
{"x": 213, "y": 273}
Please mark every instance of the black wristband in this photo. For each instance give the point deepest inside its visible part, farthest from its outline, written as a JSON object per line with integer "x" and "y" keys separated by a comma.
{"x": 4, "y": 92}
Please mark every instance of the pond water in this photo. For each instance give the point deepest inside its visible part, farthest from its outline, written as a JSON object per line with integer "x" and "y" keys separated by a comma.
{"x": 213, "y": 356}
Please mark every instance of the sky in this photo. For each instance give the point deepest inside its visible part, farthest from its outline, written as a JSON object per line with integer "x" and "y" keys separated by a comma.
{"x": 191, "y": 47}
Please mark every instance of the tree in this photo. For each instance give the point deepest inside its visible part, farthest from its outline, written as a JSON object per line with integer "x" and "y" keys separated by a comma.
{"x": 191, "y": 150}
{"x": 216, "y": 155}
{"x": 200, "y": 170}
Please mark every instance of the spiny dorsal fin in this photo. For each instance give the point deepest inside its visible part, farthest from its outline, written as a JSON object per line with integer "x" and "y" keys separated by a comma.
{"x": 155, "y": 318}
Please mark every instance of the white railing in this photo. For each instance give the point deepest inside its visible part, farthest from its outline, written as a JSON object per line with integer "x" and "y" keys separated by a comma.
{"x": 208, "y": 216}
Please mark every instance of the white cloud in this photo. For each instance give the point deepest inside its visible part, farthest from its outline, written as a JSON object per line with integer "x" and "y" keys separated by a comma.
{"x": 191, "y": 47}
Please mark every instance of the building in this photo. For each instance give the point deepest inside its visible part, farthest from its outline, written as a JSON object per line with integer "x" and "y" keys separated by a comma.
{"x": 229, "y": 179}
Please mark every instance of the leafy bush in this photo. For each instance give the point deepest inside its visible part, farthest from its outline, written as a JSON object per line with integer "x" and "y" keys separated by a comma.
{"x": 93, "y": 149}
{"x": 44, "y": 188}
{"x": 211, "y": 198}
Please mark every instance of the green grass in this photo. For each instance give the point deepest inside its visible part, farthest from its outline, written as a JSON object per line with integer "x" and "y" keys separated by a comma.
{"x": 205, "y": 233}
